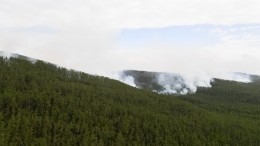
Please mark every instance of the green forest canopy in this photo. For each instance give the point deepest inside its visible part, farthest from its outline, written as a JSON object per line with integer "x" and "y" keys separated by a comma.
{"x": 42, "y": 104}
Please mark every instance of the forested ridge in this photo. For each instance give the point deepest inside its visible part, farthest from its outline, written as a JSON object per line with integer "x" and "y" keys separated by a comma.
{"x": 42, "y": 104}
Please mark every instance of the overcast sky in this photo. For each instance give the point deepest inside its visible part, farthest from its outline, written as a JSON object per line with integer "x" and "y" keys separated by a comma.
{"x": 100, "y": 36}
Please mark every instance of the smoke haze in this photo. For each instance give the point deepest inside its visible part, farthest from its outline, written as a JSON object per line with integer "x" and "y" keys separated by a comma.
{"x": 172, "y": 83}
{"x": 198, "y": 40}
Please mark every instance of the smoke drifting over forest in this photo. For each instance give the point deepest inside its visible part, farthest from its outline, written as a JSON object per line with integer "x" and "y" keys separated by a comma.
{"x": 170, "y": 83}
{"x": 164, "y": 83}
{"x": 198, "y": 40}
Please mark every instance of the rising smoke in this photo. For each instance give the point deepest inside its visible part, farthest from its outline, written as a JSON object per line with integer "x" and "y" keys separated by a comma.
{"x": 170, "y": 83}
{"x": 163, "y": 83}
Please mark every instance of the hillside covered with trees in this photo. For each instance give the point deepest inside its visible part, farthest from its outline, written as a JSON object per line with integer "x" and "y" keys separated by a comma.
{"x": 42, "y": 104}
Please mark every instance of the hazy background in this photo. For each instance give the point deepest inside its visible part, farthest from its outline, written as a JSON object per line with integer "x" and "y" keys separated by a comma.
{"x": 191, "y": 37}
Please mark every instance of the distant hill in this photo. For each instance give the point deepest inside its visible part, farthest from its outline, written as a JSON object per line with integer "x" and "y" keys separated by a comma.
{"x": 169, "y": 83}
{"x": 42, "y": 104}
{"x": 150, "y": 80}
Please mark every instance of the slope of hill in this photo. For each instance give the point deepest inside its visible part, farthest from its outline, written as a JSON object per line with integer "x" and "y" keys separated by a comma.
{"x": 172, "y": 83}
{"x": 41, "y": 104}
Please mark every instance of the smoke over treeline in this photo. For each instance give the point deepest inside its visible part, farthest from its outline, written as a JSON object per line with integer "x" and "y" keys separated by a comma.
{"x": 172, "y": 83}
{"x": 164, "y": 83}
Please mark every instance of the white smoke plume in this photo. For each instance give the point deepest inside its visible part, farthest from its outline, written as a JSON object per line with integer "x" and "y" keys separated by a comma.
{"x": 7, "y": 54}
{"x": 238, "y": 77}
{"x": 120, "y": 76}
{"x": 129, "y": 80}
{"x": 171, "y": 83}
{"x": 84, "y": 35}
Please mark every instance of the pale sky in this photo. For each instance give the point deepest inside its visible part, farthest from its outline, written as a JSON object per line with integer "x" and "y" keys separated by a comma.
{"x": 100, "y": 36}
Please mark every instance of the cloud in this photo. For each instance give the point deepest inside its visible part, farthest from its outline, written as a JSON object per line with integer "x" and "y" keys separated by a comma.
{"x": 127, "y": 14}
{"x": 236, "y": 49}
{"x": 82, "y": 34}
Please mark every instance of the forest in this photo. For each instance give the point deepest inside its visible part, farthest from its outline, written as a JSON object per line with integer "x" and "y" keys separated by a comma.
{"x": 42, "y": 104}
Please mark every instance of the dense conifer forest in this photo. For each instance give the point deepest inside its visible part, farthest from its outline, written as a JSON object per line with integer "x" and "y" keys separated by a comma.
{"x": 42, "y": 104}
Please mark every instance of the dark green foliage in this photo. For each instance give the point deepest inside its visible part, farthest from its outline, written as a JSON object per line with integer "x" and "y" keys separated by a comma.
{"x": 41, "y": 104}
